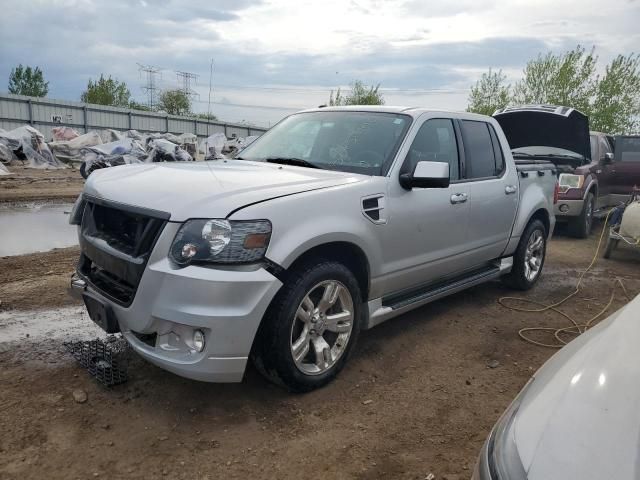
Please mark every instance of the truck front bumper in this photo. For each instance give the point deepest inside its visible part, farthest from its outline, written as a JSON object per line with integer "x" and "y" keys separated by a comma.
{"x": 568, "y": 208}
{"x": 171, "y": 304}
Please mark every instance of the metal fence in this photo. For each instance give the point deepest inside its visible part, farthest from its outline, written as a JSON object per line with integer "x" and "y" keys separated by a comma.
{"x": 45, "y": 113}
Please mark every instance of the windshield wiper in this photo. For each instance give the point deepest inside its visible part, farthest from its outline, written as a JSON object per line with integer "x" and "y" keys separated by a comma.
{"x": 298, "y": 162}
{"x": 559, "y": 155}
{"x": 521, "y": 154}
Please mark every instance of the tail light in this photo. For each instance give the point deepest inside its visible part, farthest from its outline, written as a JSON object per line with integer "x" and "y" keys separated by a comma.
{"x": 556, "y": 193}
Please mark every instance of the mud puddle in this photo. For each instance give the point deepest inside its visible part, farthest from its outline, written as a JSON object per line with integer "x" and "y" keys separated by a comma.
{"x": 29, "y": 228}
{"x": 67, "y": 323}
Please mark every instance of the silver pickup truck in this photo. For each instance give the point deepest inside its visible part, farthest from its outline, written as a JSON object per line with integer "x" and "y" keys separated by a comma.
{"x": 332, "y": 222}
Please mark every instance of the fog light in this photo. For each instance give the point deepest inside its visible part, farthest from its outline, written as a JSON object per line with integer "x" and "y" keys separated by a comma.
{"x": 564, "y": 208}
{"x": 198, "y": 340}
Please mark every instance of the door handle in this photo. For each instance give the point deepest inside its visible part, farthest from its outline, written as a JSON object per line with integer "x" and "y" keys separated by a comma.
{"x": 510, "y": 189}
{"x": 458, "y": 198}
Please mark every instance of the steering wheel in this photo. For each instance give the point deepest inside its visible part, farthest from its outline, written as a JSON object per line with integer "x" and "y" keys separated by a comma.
{"x": 366, "y": 156}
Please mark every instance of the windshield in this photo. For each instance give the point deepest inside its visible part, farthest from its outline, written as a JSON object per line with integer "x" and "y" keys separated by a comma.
{"x": 356, "y": 142}
{"x": 542, "y": 151}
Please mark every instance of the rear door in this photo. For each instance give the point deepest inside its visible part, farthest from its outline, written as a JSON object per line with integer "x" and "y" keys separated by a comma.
{"x": 625, "y": 169}
{"x": 492, "y": 188}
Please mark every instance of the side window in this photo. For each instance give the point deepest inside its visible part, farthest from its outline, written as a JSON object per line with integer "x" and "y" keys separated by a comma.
{"x": 497, "y": 150}
{"x": 478, "y": 149}
{"x": 594, "y": 147}
{"x": 434, "y": 142}
{"x": 604, "y": 148}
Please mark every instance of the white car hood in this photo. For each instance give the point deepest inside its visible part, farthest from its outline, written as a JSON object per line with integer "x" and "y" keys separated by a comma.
{"x": 580, "y": 418}
{"x": 207, "y": 189}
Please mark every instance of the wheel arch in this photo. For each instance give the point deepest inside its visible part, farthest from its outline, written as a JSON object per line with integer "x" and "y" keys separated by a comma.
{"x": 592, "y": 188}
{"x": 347, "y": 253}
{"x": 543, "y": 215}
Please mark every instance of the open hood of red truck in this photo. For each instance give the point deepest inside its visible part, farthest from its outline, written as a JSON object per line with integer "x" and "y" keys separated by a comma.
{"x": 546, "y": 126}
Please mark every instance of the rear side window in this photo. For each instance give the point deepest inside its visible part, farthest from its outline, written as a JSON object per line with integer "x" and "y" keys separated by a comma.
{"x": 497, "y": 150}
{"x": 479, "y": 150}
{"x": 434, "y": 142}
{"x": 628, "y": 149}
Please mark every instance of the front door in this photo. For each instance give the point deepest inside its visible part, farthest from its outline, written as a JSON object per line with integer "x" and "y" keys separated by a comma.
{"x": 427, "y": 227}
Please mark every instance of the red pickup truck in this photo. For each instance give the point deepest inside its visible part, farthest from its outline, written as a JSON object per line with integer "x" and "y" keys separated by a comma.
{"x": 590, "y": 176}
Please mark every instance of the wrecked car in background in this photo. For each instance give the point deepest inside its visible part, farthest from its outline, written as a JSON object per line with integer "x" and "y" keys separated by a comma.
{"x": 560, "y": 135}
{"x": 592, "y": 178}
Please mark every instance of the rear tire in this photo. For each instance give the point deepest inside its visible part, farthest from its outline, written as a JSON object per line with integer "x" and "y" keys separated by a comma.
{"x": 580, "y": 226}
{"x": 310, "y": 328}
{"x": 529, "y": 257}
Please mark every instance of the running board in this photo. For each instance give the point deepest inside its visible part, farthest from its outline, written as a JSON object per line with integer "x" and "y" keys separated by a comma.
{"x": 394, "y": 305}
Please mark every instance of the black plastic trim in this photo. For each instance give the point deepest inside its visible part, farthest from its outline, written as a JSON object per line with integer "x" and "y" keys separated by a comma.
{"x": 403, "y": 299}
{"x": 147, "y": 212}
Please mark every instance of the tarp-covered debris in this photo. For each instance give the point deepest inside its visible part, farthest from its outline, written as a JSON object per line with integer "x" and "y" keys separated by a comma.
{"x": 28, "y": 145}
{"x": 70, "y": 150}
{"x": 163, "y": 150}
{"x": 105, "y": 148}
{"x": 120, "y": 152}
{"x": 107, "y": 135}
{"x": 6, "y": 154}
{"x": 212, "y": 146}
{"x": 63, "y": 133}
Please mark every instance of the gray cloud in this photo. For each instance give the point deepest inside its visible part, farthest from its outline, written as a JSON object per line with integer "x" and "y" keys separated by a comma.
{"x": 75, "y": 41}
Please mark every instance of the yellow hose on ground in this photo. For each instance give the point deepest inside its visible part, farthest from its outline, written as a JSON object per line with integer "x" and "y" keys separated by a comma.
{"x": 575, "y": 327}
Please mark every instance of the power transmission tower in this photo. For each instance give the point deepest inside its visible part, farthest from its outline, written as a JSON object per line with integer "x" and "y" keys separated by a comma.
{"x": 150, "y": 87}
{"x": 184, "y": 80}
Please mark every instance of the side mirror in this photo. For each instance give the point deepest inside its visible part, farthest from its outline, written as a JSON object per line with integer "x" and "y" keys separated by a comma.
{"x": 427, "y": 175}
{"x": 608, "y": 158}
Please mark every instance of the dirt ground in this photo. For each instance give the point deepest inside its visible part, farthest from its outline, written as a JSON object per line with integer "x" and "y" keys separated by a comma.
{"x": 27, "y": 184}
{"x": 417, "y": 397}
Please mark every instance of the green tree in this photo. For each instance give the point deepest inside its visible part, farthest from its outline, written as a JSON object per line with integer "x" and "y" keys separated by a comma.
{"x": 138, "y": 106}
{"x": 107, "y": 91}
{"x": 175, "y": 102}
{"x": 207, "y": 116}
{"x": 489, "y": 93}
{"x": 616, "y": 107}
{"x": 28, "y": 81}
{"x": 360, "y": 95}
{"x": 568, "y": 79}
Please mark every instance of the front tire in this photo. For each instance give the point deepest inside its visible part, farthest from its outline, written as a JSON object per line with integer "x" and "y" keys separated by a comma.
{"x": 580, "y": 227}
{"x": 310, "y": 328}
{"x": 529, "y": 257}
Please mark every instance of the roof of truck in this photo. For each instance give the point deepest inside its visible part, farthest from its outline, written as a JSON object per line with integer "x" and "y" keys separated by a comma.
{"x": 413, "y": 111}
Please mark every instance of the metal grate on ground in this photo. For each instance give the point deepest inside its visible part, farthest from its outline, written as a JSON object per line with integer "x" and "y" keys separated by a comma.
{"x": 106, "y": 360}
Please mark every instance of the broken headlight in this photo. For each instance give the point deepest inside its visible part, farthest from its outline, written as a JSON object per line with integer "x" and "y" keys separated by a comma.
{"x": 221, "y": 241}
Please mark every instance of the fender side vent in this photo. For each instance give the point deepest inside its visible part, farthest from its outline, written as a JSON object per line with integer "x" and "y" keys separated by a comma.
{"x": 373, "y": 208}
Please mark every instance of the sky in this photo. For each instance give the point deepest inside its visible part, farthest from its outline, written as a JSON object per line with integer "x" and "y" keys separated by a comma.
{"x": 274, "y": 57}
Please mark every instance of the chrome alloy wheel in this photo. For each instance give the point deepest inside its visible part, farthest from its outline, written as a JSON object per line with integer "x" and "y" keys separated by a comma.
{"x": 588, "y": 218}
{"x": 534, "y": 255}
{"x": 322, "y": 327}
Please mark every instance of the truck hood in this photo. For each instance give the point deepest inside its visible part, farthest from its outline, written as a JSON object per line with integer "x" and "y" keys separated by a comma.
{"x": 207, "y": 189}
{"x": 579, "y": 418}
{"x": 546, "y": 126}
